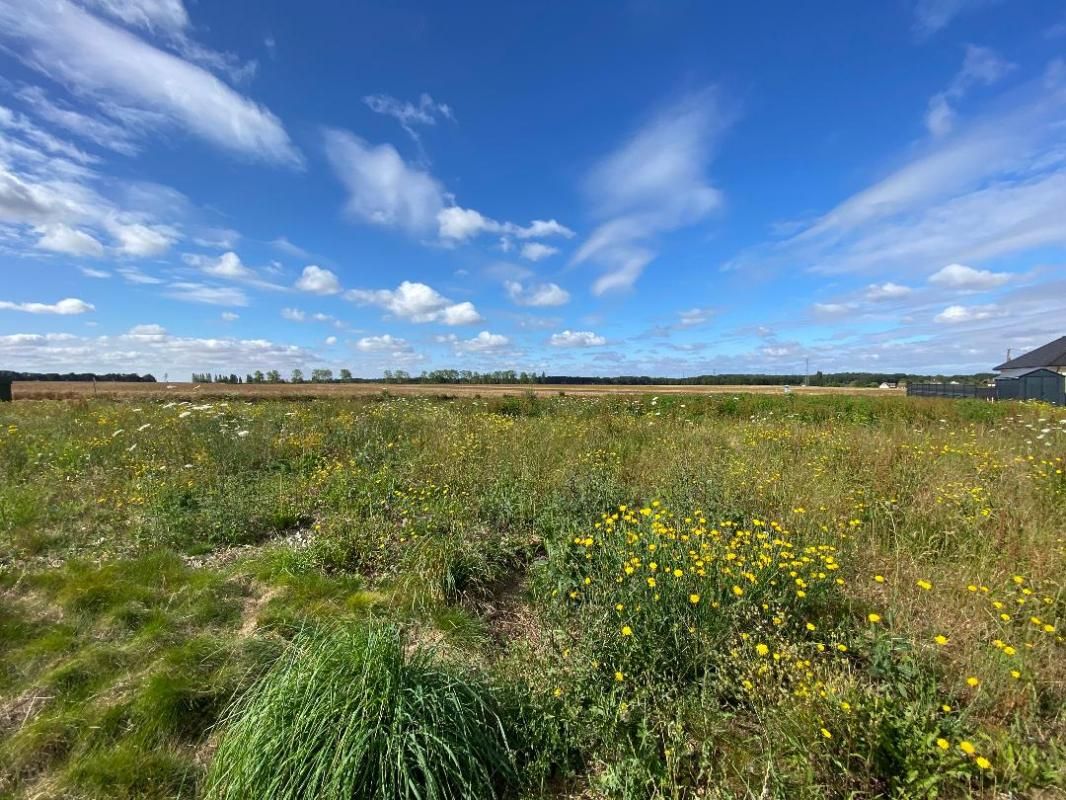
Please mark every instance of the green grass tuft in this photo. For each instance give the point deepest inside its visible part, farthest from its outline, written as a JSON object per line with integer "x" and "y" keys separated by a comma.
{"x": 348, "y": 713}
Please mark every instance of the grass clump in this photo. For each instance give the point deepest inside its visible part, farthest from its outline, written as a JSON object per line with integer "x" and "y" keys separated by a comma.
{"x": 349, "y": 713}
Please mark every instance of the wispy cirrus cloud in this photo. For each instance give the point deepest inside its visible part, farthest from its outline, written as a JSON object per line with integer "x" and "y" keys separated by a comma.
{"x": 980, "y": 66}
{"x": 410, "y": 115}
{"x": 994, "y": 187}
{"x": 931, "y": 16}
{"x": 653, "y": 183}
{"x": 93, "y": 56}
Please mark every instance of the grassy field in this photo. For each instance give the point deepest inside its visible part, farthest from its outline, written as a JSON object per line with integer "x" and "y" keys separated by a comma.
{"x": 722, "y": 595}
{"x": 63, "y": 390}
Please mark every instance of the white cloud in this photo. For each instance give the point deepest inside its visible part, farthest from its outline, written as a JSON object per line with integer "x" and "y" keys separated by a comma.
{"x": 317, "y": 280}
{"x": 158, "y": 16}
{"x": 210, "y": 295}
{"x": 408, "y": 114}
{"x": 980, "y": 66}
{"x": 833, "y": 309}
{"x": 417, "y": 302}
{"x": 539, "y": 295}
{"x": 228, "y": 266}
{"x": 461, "y": 224}
{"x": 331, "y": 340}
{"x": 460, "y": 314}
{"x": 931, "y": 16}
{"x": 535, "y": 251}
{"x": 60, "y": 238}
{"x": 484, "y": 342}
{"x": 159, "y": 353}
{"x": 19, "y": 123}
{"x": 100, "y": 131}
{"x": 385, "y": 343}
{"x": 694, "y": 316}
{"x": 88, "y": 272}
{"x": 293, "y": 314}
{"x": 229, "y": 316}
{"x": 147, "y": 332}
{"x": 382, "y": 188}
{"x": 94, "y": 58}
{"x": 654, "y": 183}
{"x": 136, "y": 239}
{"x": 964, "y": 278}
{"x": 135, "y": 276}
{"x": 886, "y": 291}
{"x": 65, "y": 307}
{"x": 993, "y": 188}
{"x": 287, "y": 247}
{"x": 956, "y": 314}
{"x": 457, "y": 224}
{"x": 540, "y": 229}
{"x": 576, "y": 339}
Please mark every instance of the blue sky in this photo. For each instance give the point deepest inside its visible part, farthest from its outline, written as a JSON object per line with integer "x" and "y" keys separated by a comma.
{"x": 639, "y": 187}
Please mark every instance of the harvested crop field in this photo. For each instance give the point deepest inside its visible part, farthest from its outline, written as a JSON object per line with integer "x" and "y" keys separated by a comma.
{"x": 673, "y": 595}
{"x": 70, "y": 390}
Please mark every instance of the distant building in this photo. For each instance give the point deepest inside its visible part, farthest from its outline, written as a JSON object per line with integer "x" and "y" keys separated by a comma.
{"x": 1052, "y": 356}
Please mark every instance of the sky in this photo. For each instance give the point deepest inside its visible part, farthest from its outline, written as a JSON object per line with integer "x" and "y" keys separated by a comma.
{"x": 599, "y": 188}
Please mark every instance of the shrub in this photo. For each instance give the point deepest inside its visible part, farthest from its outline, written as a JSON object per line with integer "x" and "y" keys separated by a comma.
{"x": 348, "y": 713}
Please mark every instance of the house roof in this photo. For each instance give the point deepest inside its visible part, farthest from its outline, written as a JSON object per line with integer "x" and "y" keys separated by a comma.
{"x": 1052, "y": 354}
{"x": 1029, "y": 373}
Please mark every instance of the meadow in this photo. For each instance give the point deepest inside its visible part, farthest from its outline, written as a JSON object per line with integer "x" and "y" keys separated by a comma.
{"x": 655, "y": 595}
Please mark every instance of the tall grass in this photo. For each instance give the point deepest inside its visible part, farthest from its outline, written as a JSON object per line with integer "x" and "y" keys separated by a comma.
{"x": 348, "y": 713}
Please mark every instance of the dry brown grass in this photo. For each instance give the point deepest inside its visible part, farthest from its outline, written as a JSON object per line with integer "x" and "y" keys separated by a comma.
{"x": 63, "y": 390}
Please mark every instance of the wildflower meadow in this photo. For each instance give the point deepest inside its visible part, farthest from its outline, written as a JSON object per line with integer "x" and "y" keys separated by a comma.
{"x": 677, "y": 596}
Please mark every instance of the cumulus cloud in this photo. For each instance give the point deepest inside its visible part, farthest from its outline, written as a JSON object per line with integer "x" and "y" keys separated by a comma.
{"x": 153, "y": 351}
{"x": 576, "y": 339}
{"x": 65, "y": 307}
{"x": 541, "y": 294}
{"x": 317, "y": 280}
{"x": 652, "y": 184}
{"x": 955, "y": 314}
{"x": 293, "y": 314}
{"x": 484, "y": 342}
{"x": 150, "y": 332}
{"x": 459, "y": 224}
{"x": 535, "y": 251}
{"x": 417, "y": 302}
{"x": 386, "y": 343}
{"x": 228, "y": 266}
{"x": 60, "y": 238}
{"x": 93, "y": 57}
{"x": 963, "y": 278}
{"x": 229, "y": 316}
{"x": 383, "y": 189}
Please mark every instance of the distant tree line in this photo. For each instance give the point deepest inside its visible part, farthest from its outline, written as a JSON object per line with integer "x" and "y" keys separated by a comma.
{"x": 456, "y": 376}
{"x": 110, "y": 377}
